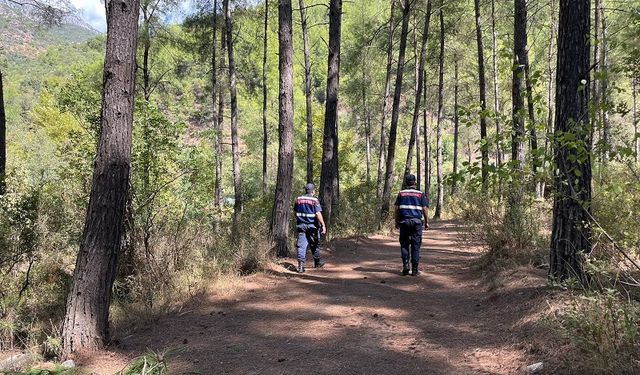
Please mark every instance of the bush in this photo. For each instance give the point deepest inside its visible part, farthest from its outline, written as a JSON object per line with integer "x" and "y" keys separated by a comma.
{"x": 605, "y": 329}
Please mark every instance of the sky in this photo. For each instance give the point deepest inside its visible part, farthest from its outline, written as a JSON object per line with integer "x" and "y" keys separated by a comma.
{"x": 92, "y": 11}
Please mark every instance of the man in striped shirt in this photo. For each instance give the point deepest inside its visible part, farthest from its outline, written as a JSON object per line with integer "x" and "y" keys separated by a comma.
{"x": 411, "y": 207}
{"x": 309, "y": 221}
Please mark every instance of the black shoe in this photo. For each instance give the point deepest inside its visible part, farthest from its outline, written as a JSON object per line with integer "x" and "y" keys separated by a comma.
{"x": 300, "y": 267}
{"x": 415, "y": 272}
{"x": 405, "y": 268}
{"x": 318, "y": 263}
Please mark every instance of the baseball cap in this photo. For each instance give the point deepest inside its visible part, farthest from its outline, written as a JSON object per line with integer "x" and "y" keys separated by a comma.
{"x": 409, "y": 179}
{"x": 309, "y": 187}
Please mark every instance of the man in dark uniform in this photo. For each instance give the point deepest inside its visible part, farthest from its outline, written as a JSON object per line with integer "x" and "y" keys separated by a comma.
{"x": 309, "y": 220}
{"x": 411, "y": 207}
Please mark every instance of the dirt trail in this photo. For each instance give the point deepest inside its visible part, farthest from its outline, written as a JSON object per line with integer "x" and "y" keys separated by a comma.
{"x": 358, "y": 315}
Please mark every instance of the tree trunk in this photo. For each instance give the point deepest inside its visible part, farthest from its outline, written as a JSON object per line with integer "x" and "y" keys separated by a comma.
{"x": 419, "y": 87}
{"x": 284, "y": 183}
{"x": 87, "y": 314}
{"x": 219, "y": 130}
{"x": 482, "y": 85}
{"x": 604, "y": 93}
{"x": 440, "y": 161}
{"x": 307, "y": 90}
{"x": 595, "y": 78}
{"x": 517, "y": 97}
{"x": 265, "y": 133}
{"x": 233, "y": 103}
{"x": 550, "y": 89}
{"x": 366, "y": 118}
{"x": 395, "y": 114}
{"x": 385, "y": 106}
{"x": 427, "y": 139}
{"x": 456, "y": 125}
{"x": 3, "y": 141}
{"x": 496, "y": 83}
{"x": 571, "y": 235}
{"x": 329, "y": 178}
{"x": 636, "y": 135}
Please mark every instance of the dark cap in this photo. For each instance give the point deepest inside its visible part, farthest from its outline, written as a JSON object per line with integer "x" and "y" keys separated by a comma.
{"x": 310, "y": 187}
{"x": 410, "y": 180}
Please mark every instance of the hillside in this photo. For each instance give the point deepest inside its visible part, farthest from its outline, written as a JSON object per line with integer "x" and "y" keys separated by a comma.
{"x": 22, "y": 36}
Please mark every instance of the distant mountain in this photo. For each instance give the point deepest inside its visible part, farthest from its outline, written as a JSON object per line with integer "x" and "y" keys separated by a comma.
{"x": 24, "y": 36}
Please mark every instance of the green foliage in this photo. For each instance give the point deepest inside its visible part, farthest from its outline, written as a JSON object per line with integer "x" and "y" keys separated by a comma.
{"x": 605, "y": 329}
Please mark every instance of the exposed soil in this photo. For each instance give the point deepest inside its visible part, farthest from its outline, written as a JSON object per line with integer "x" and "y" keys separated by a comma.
{"x": 357, "y": 315}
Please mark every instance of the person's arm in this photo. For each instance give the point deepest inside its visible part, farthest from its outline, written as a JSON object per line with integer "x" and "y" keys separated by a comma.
{"x": 321, "y": 221}
{"x": 425, "y": 210}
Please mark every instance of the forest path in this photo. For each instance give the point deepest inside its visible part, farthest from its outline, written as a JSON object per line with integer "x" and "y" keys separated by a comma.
{"x": 357, "y": 315}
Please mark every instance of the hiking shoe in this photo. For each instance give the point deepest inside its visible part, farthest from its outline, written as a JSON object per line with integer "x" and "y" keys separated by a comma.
{"x": 318, "y": 263}
{"x": 415, "y": 272}
{"x": 300, "y": 267}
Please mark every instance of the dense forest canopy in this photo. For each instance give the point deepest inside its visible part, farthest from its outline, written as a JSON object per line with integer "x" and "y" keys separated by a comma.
{"x": 518, "y": 116}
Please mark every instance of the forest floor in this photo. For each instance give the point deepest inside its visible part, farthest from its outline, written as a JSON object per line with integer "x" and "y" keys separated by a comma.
{"x": 357, "y": 315}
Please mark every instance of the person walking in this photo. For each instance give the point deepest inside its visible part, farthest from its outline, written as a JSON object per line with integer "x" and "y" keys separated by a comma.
{"x": 411, "y": 215}
{"x": 309, "y": 225}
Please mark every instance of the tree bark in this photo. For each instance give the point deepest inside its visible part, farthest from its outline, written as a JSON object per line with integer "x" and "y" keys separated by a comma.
{"x": 636, "y": 135}
{"x": 3, "y": 140}
{"x": 382, "y": 158}
{"x": 482, "y": 85}
{"x": 220, "y": 124}
{"x": 571, "y": 235}
{"x": 456, "y": 126}
{"x": 604, "y": 93}
{"x": 87, "y": 314}
{"x": 366, "y": 117}
{"x": 307, "y": 90}
{"x": 419, "y": 87}
{"x": 427, "y": 139}
{"x": 233, "y": 104}
{"x": 496, "y": 83}
{"x": 265, "y": 132}
{"x": 439, "y": 157}
{"x": 284, "y": 183}
{"x": 329, "y": 177}
{"x": 595, "y": 78}
{"x": 517, "y": 92}
{"x": 550, "y": 89}
{"x": 395, "y": 114}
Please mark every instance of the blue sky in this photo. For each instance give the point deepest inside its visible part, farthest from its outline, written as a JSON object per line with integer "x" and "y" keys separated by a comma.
{"x": 92, "y": 11}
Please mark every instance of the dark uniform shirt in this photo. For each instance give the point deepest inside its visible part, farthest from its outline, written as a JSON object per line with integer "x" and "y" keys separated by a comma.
{"x": 410, "y": 203}
{"x": 306, "y": 208}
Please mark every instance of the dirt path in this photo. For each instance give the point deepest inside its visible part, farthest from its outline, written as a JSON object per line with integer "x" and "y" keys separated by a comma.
{"x": 356, "y": 316}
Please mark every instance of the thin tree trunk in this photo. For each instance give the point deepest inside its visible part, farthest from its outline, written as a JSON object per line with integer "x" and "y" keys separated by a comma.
{"x": 307, "y": 90}
{"x": 496, "y": 83}
{"x": 395, "y": 114}
{"x": 440, "y": 161}
{"x": 517, "y": 93}
{"x": 219, "y": 131}
{"x": 329, "y": 179}
{"x": 265, "y": 132}
{"x": 550, "y": 88}
{"x": 427, "y": 139}
{"x": 595, "y": 78}
{"x": 571, "y": 235}
{"x": 235, "y": 147}
{"x": 87, "y": 314}
{"x": 456, "y": 126}
{"x": 284, "y": 183}
{"x": 482, "y": 85}
{"x": 604, "y": 93}
{"x": 385, "y": 106}
{"x": 366, "y": 118}
{"x": 636, "y": 135}
{"x": 3, "y": 140}
{"x": 419, "y": 87}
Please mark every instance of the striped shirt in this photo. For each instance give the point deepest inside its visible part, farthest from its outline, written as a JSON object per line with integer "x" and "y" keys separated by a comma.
{"x": 306, "y": 208}
{"x": 410, "y": 203}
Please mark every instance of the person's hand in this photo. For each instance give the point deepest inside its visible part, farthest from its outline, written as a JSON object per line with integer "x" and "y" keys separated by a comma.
{"x": 324, "y": 230}
{"x": 426, "y": 225}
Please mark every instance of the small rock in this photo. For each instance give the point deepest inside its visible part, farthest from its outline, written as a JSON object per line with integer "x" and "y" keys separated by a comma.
{"x": 535, "y": 368}
{"x": 69, "y": 363}
{"x": 185, "y": 342}
{"x": 375, "y": 315}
